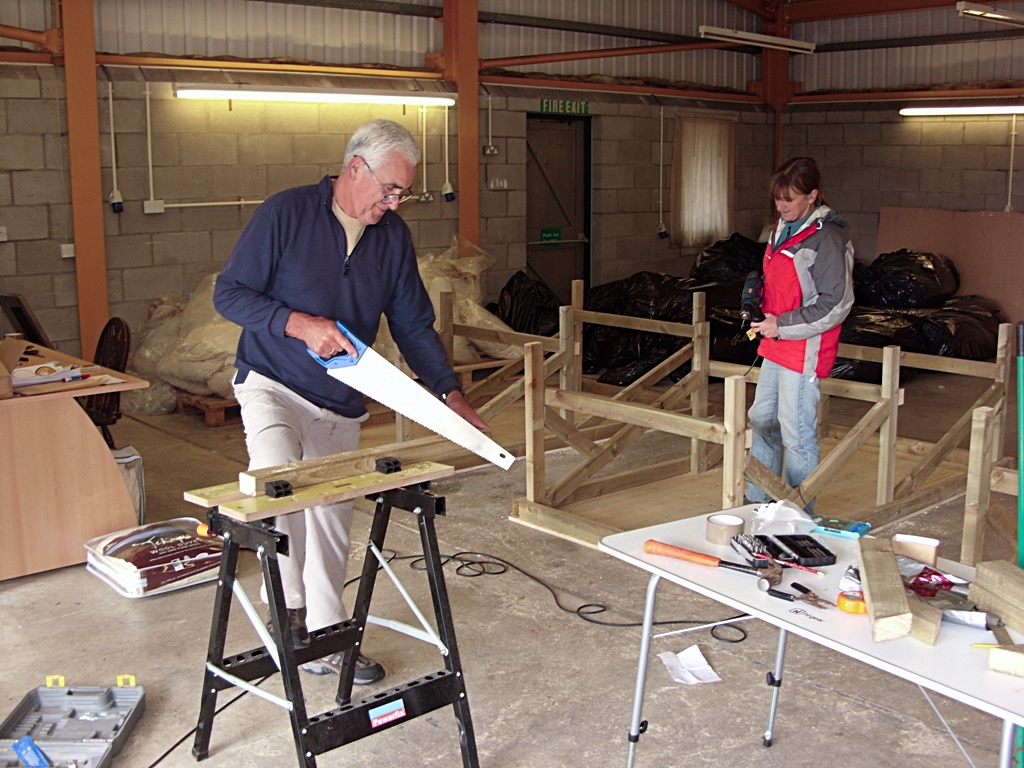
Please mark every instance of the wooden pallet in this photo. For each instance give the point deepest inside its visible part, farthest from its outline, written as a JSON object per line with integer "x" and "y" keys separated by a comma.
{"x": 217, "y": 411}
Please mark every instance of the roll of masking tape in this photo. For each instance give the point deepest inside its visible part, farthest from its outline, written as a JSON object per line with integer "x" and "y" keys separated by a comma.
{"x": 721, "y": 528}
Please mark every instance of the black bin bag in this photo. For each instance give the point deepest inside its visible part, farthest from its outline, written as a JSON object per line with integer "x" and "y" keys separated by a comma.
{"x": 906, "y": 279}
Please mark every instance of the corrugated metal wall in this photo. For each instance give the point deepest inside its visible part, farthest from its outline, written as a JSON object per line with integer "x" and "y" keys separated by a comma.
{"x": 251, "y": 29}
{"x": 899, "y": 67}
{"x": 263, "y": 30}
{"x": 715, "y": 68}
{"x": 26, "y": 14}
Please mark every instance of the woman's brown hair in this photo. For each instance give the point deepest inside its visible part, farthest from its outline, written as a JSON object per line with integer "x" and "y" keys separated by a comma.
{"x": 800, "y": 174}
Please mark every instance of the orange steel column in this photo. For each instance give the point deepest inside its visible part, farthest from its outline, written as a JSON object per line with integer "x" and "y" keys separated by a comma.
{"x": 462, "y": 64}
{"x": 86, "y": 182}
{"x": 777, "y": 89}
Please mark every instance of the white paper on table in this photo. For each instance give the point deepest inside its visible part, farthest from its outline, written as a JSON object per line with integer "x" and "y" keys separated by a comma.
{"x": 689, "y": 667}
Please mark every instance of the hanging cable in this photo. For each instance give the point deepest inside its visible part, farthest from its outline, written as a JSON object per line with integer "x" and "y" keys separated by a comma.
{"x": 662, "y": 230}
{"x": 446, "y": 190}
{"x": 116, "y": 201}
{"x": 424, "y": 196}
{"x": 1009, "y": 181}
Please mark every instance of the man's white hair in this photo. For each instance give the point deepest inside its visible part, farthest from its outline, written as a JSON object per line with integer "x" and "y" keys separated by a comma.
{"x": 375, "y": 141}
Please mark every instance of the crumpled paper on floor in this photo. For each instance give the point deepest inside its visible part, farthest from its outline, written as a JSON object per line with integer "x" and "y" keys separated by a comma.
{"x": 689, "y": 667}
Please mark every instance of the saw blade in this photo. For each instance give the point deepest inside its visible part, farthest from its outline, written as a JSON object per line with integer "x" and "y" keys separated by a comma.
{"x": 375, "y": 377}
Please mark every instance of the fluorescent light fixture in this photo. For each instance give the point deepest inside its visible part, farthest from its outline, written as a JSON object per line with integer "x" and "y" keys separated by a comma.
{"x": 980, "y": 109}
{"x": 314, "y": 95}
{"x": 989, "y": 13}
{"x": 751, "y": 38}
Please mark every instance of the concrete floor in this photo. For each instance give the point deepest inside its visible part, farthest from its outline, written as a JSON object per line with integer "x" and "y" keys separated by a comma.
{"x": 545, "y": 687}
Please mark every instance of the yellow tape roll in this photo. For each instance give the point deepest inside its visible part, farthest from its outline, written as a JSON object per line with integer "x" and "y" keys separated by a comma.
{"x": 852, "y": 602}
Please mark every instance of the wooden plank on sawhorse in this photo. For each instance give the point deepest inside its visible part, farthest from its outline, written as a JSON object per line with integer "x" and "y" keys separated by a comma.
{"x": 342, "y": 489}
{"x": 328, "y": 492}
{"x": 349, "y": 721}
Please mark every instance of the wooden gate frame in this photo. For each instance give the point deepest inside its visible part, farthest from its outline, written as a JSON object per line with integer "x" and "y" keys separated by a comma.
{"x": 892, "y": 500}
{"x": 986, "y": 472}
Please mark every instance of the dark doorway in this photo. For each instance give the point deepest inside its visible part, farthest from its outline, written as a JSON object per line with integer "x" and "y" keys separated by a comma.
{"x": 558, "y": 202}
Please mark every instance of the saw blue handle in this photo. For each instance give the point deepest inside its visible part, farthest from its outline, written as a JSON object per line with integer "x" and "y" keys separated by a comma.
{"x": 341, "y": 360}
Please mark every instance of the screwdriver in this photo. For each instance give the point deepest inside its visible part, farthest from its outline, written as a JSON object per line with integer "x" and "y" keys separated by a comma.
{"x": 654, "y": 547}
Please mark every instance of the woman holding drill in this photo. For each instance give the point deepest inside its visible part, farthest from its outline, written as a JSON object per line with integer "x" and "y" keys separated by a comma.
{"x": 808, "y": 292}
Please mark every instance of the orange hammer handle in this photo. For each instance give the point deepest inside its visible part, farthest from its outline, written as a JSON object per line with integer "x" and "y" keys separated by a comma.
{"x": 653, "y": 547}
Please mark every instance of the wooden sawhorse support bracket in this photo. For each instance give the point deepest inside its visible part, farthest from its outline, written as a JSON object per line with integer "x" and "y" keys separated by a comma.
{"x": 350, "y": 721}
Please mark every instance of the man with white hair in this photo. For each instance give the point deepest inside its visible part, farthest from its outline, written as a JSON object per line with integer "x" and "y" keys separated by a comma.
{"x": 311, "y": 256}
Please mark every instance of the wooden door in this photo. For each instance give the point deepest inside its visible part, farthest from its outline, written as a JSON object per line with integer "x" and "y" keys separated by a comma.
{"x": 558, "y": 202}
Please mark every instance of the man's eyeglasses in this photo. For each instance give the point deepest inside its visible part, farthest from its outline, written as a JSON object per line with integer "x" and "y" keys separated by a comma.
{"x": 401, "y": 196}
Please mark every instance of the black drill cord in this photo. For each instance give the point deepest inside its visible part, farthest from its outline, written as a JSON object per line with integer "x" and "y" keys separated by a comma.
{"x": 473, "y": 564}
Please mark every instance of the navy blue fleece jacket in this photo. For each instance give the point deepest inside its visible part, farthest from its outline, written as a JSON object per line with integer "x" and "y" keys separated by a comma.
{"x": 291, "y": 256}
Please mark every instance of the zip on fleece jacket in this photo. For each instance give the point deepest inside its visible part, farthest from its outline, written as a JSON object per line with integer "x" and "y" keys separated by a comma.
{"x": 809, "y": 288}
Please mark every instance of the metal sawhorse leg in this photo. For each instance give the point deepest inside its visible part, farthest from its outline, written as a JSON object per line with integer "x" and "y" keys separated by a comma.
{"x": 350, "y": 721}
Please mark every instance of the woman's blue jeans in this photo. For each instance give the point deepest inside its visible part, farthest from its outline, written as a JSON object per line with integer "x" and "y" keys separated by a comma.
{"x": 784, "y": 418}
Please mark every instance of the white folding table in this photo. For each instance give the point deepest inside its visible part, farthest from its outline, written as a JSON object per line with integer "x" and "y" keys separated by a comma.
{"x": 951, "y": 667}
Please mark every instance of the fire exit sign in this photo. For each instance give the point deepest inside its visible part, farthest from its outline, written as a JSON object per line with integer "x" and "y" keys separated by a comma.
{"x": 565, "y": 107}
{"x": 551, "y": 236}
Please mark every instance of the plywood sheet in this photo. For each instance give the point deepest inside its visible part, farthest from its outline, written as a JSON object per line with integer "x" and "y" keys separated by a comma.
{"x": 985, "y": 246}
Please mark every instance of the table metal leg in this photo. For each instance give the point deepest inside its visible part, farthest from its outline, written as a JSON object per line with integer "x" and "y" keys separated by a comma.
{"x": 1007, "y": 745}
{"x": 774, "y": 679}
{"x": 636, "y": 727}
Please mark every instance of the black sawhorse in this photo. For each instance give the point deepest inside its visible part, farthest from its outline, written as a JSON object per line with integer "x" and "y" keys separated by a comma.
{"x": 350, "y": 721}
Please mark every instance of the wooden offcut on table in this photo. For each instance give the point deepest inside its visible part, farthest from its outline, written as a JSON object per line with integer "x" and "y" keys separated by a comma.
{"x": 884, "y": 593}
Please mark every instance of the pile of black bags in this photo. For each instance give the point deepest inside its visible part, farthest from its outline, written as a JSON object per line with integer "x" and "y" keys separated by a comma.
{"x": 904, "y": 298}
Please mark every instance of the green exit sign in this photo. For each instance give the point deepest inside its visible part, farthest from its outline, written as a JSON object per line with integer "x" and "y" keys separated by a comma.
{"x": 565, "y": 107}
{"x": 551, "y": 236}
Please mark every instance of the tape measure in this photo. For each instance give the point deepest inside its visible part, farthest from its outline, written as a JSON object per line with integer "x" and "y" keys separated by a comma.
{"x": 852, "y": 602}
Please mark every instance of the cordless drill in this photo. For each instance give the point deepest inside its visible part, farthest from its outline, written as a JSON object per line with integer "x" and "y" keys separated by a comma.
{"x": 750, "y": 300}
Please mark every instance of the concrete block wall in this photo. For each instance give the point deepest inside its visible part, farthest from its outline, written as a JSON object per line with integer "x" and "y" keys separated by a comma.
{"x": 626, "y": 159}
{"x": 35, "y": 200}
{"x": 875, "y": 158}
{"x": 626, "y": 152}
{"x": 208, "y": 151}
{"x": 201, "y": 152}
{"x": 213, "y": 151}
{"x": 503, "y": 210}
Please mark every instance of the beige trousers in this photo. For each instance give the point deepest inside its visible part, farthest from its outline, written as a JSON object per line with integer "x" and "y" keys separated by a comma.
{"x": 281, "y": 427}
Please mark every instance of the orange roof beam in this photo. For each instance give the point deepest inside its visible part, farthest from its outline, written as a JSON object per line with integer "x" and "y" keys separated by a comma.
{"x": 598, "y": 53}
{"x": 51, "y": 40}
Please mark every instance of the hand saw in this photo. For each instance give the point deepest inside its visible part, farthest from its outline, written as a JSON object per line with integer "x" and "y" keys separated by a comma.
{"x": 375, "y": 377}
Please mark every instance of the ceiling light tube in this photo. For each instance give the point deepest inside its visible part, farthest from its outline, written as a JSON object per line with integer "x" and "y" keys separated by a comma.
{"x": 980, "y": 109}
{"x": 989, "y": 13}
{"x": 313, "y": 95}
{"x": 752, "y": 38}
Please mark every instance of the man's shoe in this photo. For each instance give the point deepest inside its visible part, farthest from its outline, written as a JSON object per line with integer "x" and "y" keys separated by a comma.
{"x": 297, "y": 623}
{"x": 367, "y": 670}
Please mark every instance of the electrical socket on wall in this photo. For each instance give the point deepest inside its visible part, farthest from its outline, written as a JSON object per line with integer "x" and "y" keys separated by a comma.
{"x": 490, "y": 149}
{"x": 67, "y": 250}
{"x": 3, "y": 234}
